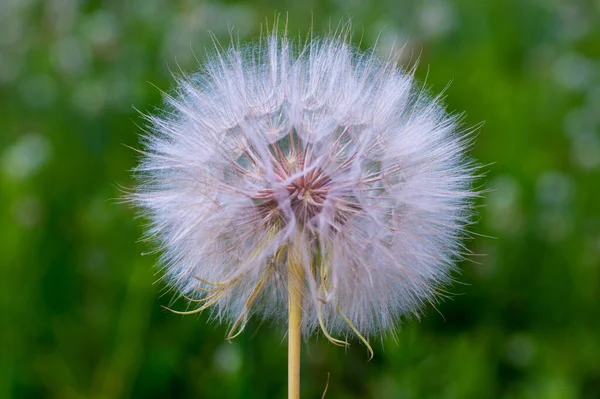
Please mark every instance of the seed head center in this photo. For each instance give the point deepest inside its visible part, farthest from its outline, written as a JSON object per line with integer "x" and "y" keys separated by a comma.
{"x": 307, "y": 194}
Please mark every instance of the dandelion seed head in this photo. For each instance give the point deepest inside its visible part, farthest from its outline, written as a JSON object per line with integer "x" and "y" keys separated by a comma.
{"x": 313, "y": 146}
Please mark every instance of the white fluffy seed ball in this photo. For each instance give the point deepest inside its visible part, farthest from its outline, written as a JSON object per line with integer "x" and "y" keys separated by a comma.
{"x": 315, "y": 147}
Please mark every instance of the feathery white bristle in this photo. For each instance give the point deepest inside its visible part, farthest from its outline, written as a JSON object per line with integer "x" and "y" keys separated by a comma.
{"x": 316, "y": 145}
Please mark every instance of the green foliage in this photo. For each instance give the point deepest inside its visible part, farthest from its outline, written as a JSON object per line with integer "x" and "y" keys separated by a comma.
{"x": 80, "y": 307}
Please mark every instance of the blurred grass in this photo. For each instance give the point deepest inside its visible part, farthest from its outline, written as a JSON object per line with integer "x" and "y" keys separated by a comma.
{"x": 80, "y": 307}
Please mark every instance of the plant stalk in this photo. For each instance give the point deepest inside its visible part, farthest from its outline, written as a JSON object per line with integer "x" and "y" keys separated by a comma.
{"x": 295, "y": 298}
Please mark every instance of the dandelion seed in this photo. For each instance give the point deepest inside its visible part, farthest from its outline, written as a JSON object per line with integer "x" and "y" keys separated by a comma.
{"x": 312, "y": 177}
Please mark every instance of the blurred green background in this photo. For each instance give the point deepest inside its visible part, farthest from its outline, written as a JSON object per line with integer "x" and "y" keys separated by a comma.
{"x": 80, "y": 312}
